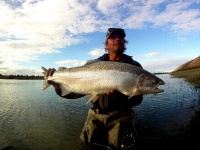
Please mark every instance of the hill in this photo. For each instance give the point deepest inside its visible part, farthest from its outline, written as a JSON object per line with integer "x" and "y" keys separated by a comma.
{"x": 195, "y": 63}
{"x": 190, "y": 71}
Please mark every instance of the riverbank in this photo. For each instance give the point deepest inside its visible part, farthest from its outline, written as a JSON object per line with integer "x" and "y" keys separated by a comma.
{"x": 21, "y": 77}
{"x": 191, "y": 75}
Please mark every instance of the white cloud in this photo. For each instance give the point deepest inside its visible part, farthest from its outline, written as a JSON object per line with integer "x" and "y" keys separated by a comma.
{"x": 34, "y": 29}
{"x": 178, "y": 17}
{"x": 70, "y": 63}
{"x": 165, "y": 65}
{"x": 15, "y": 68}
{"x": 31, "y": 28}
{"x": 152, "y": 54}
{"x": 97, "y": 52}
{"x": 109, "y": 7}
{"x": 182, "y": 39}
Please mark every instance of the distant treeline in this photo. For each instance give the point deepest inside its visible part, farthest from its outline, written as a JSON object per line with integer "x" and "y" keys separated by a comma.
{"x": 27, "y": 77}
{"x": 161, "y": 73}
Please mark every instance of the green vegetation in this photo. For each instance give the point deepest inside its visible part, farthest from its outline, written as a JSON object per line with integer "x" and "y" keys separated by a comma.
{"x": 22, "y": 77}
{"x": 192, "y": 75}
{"x": 195, "y": 63}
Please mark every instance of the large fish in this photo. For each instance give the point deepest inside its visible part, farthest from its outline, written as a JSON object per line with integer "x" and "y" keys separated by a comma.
{"x": 97, "y": 78}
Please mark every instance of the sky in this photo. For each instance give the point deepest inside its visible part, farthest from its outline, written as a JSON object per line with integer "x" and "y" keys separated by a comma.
{"x": 161, "y": 34}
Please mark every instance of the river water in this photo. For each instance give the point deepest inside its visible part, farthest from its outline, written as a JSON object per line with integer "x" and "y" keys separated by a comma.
{"x": 31, "y": 119}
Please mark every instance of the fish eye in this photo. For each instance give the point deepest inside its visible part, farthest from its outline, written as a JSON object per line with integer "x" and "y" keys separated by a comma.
{"x": 154, "y": 81}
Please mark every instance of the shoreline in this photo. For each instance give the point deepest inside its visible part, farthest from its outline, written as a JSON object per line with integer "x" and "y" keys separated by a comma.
{"x": 191, "y": 75}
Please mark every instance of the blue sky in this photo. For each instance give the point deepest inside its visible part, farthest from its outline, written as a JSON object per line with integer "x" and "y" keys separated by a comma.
{"x": 161, "y": 34}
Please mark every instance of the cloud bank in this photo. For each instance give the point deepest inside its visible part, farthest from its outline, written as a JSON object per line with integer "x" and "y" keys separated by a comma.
{"x": 32, "y": 28}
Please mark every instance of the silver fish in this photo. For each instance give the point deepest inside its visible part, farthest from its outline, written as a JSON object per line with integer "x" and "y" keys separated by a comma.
{"x": 97, "y": 78}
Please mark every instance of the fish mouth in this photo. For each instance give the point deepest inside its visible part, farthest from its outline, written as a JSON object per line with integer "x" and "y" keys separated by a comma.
{"x": 158, "y": 90}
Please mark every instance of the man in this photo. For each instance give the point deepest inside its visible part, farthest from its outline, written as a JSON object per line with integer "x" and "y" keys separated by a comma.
{"x": 110, "y": 121}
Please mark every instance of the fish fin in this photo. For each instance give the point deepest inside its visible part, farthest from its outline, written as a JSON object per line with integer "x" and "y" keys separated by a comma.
{"x": 45, "y": 85}
{"x": 93, "y": 98}
{"x": 92, "y": 61}
{"x": 45, "y": 72}
{"x": 132, "y": 96}
{"x": 61, "y": 68}
{"x": 64, "y": 91}
{"x": 135, "y": 92}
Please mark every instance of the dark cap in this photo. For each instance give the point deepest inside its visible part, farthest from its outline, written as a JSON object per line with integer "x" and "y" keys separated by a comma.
{"x": 118, "y": 31}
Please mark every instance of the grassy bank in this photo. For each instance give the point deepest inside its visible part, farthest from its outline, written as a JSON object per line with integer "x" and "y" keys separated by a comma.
{"x": 192, "y": 75}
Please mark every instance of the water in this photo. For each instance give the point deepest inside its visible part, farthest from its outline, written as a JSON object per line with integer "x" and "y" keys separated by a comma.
{"x": 38, "y": 120}
{"x": 31, "y": 119}
{"x": 169, "y": 111}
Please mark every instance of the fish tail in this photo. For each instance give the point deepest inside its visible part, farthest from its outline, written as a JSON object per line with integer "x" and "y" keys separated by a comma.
{"x": 45, "y": 72}
{"x": 45, "y": 84}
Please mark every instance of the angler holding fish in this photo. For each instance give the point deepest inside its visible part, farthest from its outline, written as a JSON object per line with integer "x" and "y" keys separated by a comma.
{"x": 116, "y": 83}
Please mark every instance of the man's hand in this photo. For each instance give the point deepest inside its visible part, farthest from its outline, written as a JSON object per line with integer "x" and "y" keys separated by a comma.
{"x": 50, "y": 72}
{"x": 112, "y": 92}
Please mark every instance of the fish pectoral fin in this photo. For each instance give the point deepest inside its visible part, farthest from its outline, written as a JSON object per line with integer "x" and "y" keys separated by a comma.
{"x": 134, "y": 93}
{"x": 64, "y": 91}
{"x": 131, "y": 95}
{"x": 93, "y": 98}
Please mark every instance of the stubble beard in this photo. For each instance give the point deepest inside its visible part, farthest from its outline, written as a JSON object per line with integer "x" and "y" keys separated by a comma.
{"x": 119, "y": 51}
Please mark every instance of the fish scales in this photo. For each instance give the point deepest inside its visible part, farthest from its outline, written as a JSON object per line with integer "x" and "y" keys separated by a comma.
{"x": 100, "y": 77}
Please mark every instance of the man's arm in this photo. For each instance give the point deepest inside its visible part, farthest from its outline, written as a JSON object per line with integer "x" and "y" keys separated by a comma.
{"x": 136, "y": 100}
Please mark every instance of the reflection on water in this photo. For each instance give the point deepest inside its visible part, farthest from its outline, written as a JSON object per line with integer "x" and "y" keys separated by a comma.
{"x": 171, "y": 109}
{"x": 167, "y": 116}
{"x": 35, "y": 119}
{"x": 32, "y": 119}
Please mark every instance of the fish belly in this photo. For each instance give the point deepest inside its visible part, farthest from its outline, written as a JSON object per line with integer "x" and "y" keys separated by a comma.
{"x": 99, "y": 82}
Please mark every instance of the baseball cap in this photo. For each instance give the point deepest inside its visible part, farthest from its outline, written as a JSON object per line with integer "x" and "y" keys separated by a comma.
{"x": 119, "y": 31}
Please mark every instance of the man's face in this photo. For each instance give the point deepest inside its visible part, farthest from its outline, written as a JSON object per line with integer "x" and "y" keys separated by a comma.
{"x": 115, "y": 43}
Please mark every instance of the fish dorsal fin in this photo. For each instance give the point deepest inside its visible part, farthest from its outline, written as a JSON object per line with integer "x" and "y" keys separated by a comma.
{"x": 64, "y": 91}
{"x": 93, "y": 98}
{"x": 92, "y": 61}
{"x": 61, "y": 68}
